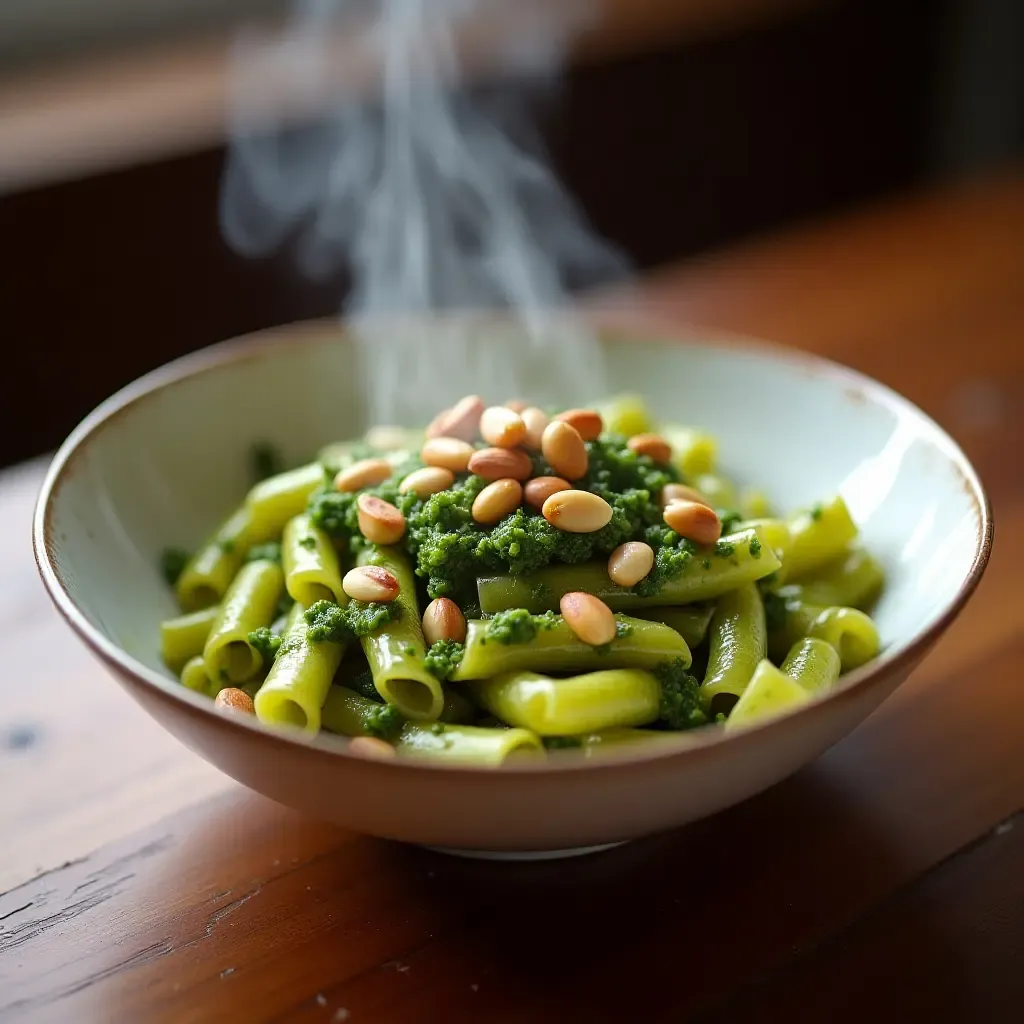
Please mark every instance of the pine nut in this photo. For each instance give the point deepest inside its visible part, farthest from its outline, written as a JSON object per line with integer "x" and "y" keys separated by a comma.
{"x": 448, "y": 453}
{"x": 379, "y": 520}
{"x": 535, "y": 421}
{"x": 577, "y": 511}
{"x": 233, "y": 699}
{"x": 564, "y": 451}
{"x": 516, "y": 405}
{"x": 463, "y": 419}
{"x": 365, "y": 473}
{"x": 652, "y": 445}
{"x": 588, "y": 617}
{"x": 588, "y": 422}
{"x": 540, "y": 488}
{"x": 370, "y": 583}
{"x": 680, "y": 492}
{"x": 497, "y": 500}
{"x": 497, "y": 463}
{"x": 371, "y": 746}
{"x": 435, "y": 425}
{"x": 443, "y": 620}
{"x": 629, "y": 563}
{"x": 427, "y": 481}
{"x": 694, "y": 521}
{"x": 502, "y": 427}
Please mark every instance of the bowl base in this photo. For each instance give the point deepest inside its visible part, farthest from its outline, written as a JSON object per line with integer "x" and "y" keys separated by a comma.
{"x": 525, "y": 855}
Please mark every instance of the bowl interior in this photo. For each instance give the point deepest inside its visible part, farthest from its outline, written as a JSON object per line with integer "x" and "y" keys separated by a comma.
{"x": 167, "y": 466}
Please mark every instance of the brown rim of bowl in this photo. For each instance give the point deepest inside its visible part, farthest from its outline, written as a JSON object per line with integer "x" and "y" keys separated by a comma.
{"x": 252, "y": 346}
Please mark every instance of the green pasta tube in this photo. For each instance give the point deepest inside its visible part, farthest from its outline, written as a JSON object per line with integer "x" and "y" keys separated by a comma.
{"x": 689, "y": 621}
{"x": 693, "y": 451}
{"x": 853, "y": 580}
{"x": 556, "y": 648}
{"x": 351, "y": 714}
{"x": 622, "y": 741}
{"x": 184, "y": 637}
{"x": 395, "y": 652}
{"x": 468, "y": 744}
{"x": 626, "y": 415}
{"x": 744, "y": 556}
{"x": 770, "y": 693}
{"x": 813, "y": 663}
{"x": 272, "y": 502}
{"x": 250, "y": 602}
{"x": 206, "y": 578}
{"x": 310, "y": 562}
{"x": 298, "y": 682}
{"x": 738, "y": 639}
{"x": 849, "y": 631}
{"x": 773, "y": 532}
{"x": 607, "y": 699}
{"x": 819, "y": 535}
{"x": 195, "y": 677}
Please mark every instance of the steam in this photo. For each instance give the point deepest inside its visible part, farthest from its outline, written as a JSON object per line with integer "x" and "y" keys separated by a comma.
{"x": 436, "y": 200}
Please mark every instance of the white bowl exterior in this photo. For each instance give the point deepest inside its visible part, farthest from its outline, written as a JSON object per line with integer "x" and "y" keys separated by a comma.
{"x": 169, "y": 467}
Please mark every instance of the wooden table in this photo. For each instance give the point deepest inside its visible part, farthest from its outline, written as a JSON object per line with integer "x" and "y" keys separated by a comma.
{"x": 888, "y": 877}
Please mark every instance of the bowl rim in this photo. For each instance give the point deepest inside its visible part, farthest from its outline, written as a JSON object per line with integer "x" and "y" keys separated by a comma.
{"x": 613, "y": 328}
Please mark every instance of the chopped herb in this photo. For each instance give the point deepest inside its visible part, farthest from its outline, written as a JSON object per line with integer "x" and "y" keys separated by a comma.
{"x": 623, "y": 629}
{"x": 266, "y": 642}
{"x": 437, "y": 729}
{"x": 729, "y": 519}
{"x": 443, "y": 657}
{"x": 724, "y": 549}
{"x": 308, "y": 542}
{"x": 330, "y": 621}
{"x": 755, "y": 547}
{"x": 383, "y": 721}
{"x": 172, "y": 564}
{"x": 680, "y": 700}
{"x": 270, "y": 552}
{"x": 518, "y": 626}
{"x": 227, "y": 545}
{"x": 409, "y": 650}
{"x": 817, "y": 511}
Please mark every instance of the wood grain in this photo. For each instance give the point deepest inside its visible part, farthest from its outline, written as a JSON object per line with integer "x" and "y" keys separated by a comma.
{"x": 891, "y": 865}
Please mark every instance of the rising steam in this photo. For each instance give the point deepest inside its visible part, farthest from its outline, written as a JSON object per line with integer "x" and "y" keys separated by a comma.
{"x": 437, "y": 200}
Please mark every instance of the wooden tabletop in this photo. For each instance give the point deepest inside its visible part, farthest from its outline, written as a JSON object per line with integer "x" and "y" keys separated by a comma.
{"x": 137, "y": 884}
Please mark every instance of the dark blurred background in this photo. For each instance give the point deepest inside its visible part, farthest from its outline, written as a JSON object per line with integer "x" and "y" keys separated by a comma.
{"x": 678, "y": 135}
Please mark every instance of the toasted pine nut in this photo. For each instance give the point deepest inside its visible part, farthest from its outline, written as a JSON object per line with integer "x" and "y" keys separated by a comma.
{"x": 448, "y": 453}
{"x": 365, "y": 473}
{"x": 497, "y": 463}
{"x": 233, "y": 699}
{"x": 680, "y": 492}
{"x": 463, "y": 420}
{"x": 540, "y": 488}
{"x": 379, "y": 520}
{"x": 629, "y": 563}
{"x": 497, "y": 500}
{"x": 563, "y": 448}
{"x": 588, "y": 617}
{"x": 516, "y": 404}
{"x": 427, "y": 481}
{"x": 652, "y": 445}
{"x": 577, "y": 511}
{"x": 435, "y": 425}
{"x": 502, "y": 427}
{"x": 535, "y": 420}
{"x": 694, "y": 521}
{"x": 371, "y": 746}
{"x": 443, "y": 620}
{"x": 370, "y": 583}
{"x": 588, "y": 422}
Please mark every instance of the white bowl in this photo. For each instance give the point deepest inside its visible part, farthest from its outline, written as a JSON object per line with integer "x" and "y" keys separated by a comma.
{"x": 165, "y": 459}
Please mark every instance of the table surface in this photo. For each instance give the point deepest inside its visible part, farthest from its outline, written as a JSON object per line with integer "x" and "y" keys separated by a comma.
{"x": 136, "y": 883}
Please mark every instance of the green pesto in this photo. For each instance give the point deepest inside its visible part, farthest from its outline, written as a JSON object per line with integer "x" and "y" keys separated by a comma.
{"x": 518, "y": 626}
{"x": 266, "y": 642}
{"x": 680, "y": 706}
{"x": 341, "y": 623}
{"x": 443, "y": 657}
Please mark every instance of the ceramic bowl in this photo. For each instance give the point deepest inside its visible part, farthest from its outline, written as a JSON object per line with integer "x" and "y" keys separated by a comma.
{"x": 166, "y": 458}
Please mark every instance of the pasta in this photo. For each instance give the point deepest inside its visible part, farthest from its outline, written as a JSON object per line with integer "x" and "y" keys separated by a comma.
{"x": 507, "y": 584}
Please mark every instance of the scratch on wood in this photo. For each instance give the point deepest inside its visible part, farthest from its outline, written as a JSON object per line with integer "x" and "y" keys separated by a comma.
{"x": 218, "y": 915}
{"x": 16, "y": 910}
